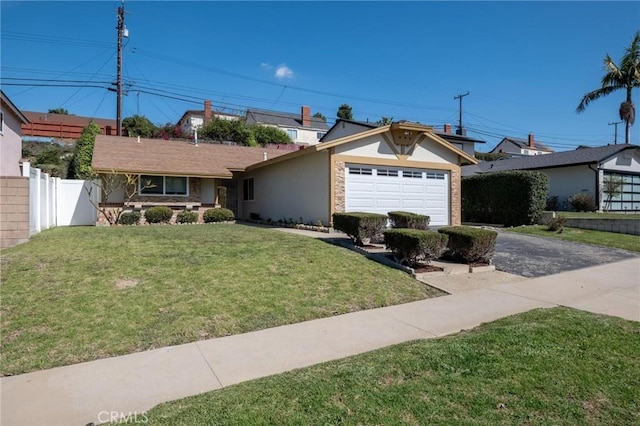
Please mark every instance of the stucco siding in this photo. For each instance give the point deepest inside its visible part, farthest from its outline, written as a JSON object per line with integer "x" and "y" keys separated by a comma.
{"x": 373, "y": 146}
{"x": 433, "y": 152}
{"x": 291, "y": 189}
{"x": 10, "y": 144}
{"x": 567, "y": 181}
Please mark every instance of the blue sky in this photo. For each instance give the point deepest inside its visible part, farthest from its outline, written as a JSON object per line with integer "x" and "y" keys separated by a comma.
{"x": 525, "y": 64}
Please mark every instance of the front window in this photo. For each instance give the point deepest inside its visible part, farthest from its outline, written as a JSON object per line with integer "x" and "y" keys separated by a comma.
{"x": 293, "y": 134}
{"x": 247, "y": 189}
{"x": 319, "y": 135}
{"x": 164, "y": 185}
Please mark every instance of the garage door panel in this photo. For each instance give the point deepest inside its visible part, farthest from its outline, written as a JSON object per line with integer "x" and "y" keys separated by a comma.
{"x": 386, "y": 187}
{"x": 427, "y": 193}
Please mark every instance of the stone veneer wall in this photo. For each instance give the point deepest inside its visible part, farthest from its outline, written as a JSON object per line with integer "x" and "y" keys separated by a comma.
{"x": 14, "y": 210}
{"x": 456, "y": 198}
{"x": 339, "y": 189}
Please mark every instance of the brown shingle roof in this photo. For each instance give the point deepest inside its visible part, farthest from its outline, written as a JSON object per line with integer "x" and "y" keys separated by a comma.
{"x": 175, "y": 158}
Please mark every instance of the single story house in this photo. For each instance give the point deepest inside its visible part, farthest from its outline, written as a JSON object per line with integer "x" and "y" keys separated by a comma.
{"x": 303, "y": 128}
{"x": 515, "y": 147}
{"x": 580, "y": 170}
{"x": 402, "y": 166}
{"x": 11, "y": 120}
{"x": 344, "y": 127}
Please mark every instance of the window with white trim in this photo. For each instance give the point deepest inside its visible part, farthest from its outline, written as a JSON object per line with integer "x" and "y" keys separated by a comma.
{"x": 386, "y": 172}
{"x": 412, "y": 174}
{"x": 360, "y": 171}
{"x": 435, "y": 175}
{"x": 293, "y": 134}
{"x": 247, "y": 189}
{"x": 319, "y": 135}
{"x": 164, "y": 185}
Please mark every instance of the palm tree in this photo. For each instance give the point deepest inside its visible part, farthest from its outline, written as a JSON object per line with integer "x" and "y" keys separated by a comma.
{"x": 625, "y": 76}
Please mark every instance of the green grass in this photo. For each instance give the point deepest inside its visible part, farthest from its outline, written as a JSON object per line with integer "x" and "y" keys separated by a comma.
{"x": 553, "y": 367}
{"x": 599, "y": 238}
{"x": 82, "y": 293}
{"x": 598, "y": 215}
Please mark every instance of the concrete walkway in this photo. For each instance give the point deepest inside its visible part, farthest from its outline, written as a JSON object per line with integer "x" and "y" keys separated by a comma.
{"x": 132, "y": 384}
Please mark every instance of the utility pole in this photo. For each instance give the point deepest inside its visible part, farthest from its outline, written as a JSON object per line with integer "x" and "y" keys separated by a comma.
{"x": 120, "y": 29}
{"x": 460, "y": 96}
{"x": 615, "y": 137}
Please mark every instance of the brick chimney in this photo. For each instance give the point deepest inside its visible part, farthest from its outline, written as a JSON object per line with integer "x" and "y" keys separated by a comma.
{"x": 531, "y": 141}
{"x": 306, "y": 116}
{"x": 447, "y": 128}
{"x": 207, "y": 111}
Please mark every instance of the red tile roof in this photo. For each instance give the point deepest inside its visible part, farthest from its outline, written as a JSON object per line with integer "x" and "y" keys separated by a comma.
{"x": 176, "y": 158}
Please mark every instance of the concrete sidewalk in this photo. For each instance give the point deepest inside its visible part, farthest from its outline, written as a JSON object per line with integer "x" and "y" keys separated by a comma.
{"x": 132, "y": 384}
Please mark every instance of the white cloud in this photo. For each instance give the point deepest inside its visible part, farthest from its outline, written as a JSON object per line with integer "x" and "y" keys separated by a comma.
{"x": 283, "y": 71}
{"x": 266, "y": 65}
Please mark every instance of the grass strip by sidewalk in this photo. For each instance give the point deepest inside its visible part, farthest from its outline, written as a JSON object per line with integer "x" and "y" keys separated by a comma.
{"x": 547, "y": 366}
{"x": 599, "y": 238}
{"x": 82, "y": 293}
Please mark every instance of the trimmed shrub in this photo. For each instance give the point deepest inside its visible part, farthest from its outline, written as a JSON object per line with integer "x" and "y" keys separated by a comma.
{"x": 412, "y": 245}
{"x": 511, "y": 198}
{"x": 556, "y": 224}
{"x": 187, "y": 217}
{"x": 129, "y": 218}
{"x": 218, "y": 215}
{"x": 409, "y": 220}
{"x": 360, "y": 226}
{"x": 158, "y": 214}
{"x": 582, "y": 202}
{"x": 471, "y": 245}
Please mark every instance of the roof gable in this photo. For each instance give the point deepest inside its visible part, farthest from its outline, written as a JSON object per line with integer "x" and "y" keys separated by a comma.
{"x": 13, "y": 108}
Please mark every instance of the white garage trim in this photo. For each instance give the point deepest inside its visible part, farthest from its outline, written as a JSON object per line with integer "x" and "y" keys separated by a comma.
{"x": 381, "y": 189}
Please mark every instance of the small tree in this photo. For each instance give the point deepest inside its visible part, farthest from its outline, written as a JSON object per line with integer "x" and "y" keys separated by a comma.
{"x": 267, "y": 134}
{"x": 384, "y": 121}
{"x": 108, "y": 184}
{"x": 139, "y": 125}
{"x": 320, "y": 116}
{"x": 170, "y": 131}
{"x": 219, "y": 129}
{"x": 58, "y": 110}
{"x": 345, "y": 112}
{"x": 611, "y": 188}
{"x": 83, "y": 152}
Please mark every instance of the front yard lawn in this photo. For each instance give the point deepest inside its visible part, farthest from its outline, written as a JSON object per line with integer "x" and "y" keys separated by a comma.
{"x": 599, "y": 238}
{"x": 83, "y": 293}
{"x": 555, "y": 366}
{"x": 599, "y": 215}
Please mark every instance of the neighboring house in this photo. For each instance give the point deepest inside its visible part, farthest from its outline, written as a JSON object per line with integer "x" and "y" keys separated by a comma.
{"x": 402, "y": 166}
{"x": 303, "y": 129}
{"x": 515, "y": 147}
{"x": 343, "y": 128}
{"x": 63, "y": 126}
{"x": 194, "y": 119}
{"x": 581, "y": 170}
{"x": 11, "y": 120}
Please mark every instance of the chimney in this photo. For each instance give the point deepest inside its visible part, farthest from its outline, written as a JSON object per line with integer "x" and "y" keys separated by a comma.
{"x": 306, "y": 116}
{"x": 531, "y": 141}
{"x": 207, "y": 111}
{"x": 447, "y": 128}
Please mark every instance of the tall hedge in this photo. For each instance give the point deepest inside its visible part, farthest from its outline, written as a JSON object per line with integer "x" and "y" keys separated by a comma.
{"x": 83, "y": 151}
{"x": 509, "y": 198}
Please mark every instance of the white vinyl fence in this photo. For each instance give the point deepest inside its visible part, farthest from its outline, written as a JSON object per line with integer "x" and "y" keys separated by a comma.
{"x": 58, "y": 202}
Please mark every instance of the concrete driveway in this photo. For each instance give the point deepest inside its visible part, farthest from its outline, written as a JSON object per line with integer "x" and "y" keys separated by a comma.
{"x": 531, "y": 256}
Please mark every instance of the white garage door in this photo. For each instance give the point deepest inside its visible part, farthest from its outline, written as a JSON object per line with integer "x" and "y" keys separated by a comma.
{"x": 378, "y": 189}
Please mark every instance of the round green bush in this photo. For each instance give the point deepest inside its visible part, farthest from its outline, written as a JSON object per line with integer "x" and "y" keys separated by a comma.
{"x": 218, "y": 215}
{"x": 129, "y": 218}
{"x": 158, "y": 214}
{"x": 187, "y": 217}
{"x": 583, "y": 202}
